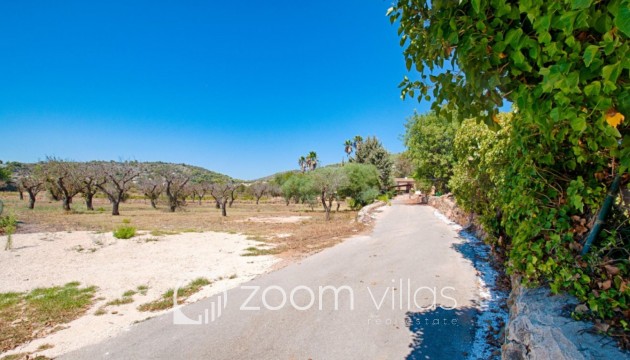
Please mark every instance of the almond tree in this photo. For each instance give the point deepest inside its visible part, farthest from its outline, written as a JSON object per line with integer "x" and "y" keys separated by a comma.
{"x": 64, "y": 179}
{"x": 259, "y": 189}
{"x": 175, "y": 184}
{"x": 152, "y": 187}
{"x": 118, "y": 180}
{"x": 221, "y": 193}
{"x": 200, "y": 189}
{"x": 32, "y": 181}
{"x": 91, "y": 181}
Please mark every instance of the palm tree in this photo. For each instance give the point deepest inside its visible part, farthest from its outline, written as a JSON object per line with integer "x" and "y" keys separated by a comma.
{"x": 302, "y": 162}
{"x": 348, "y": 145}
{"x": 311, "y": 160}
{"x": 358, "y": 140}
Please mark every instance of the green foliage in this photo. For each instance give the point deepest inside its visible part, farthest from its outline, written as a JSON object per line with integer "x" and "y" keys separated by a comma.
{"x": 371, "y": 151}
{"x": 362, "y": 186}
{"x": 25, "y": 316}
{"x": 8, "y": 225}
{"x": 479, "y": 170}
{"x": 5, "y": 176}
{"x": 565, "y": 65}
{"x": 403, "y": 165}
{"x": 299, "y": 188}
{"x": 429, "y": 140}
{"x": 125, "y": 232}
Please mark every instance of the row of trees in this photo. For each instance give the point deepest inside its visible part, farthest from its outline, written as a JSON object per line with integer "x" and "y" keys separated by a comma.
{"x": 64, "y": 180}
{"x": 357, "y": 183}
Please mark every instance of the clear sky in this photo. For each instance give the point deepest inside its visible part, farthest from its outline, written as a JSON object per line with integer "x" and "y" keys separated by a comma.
{"x": 239, "y": 87}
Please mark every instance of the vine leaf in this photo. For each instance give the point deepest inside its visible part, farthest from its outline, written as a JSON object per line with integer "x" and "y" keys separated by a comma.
{"x": 614, "y": 118}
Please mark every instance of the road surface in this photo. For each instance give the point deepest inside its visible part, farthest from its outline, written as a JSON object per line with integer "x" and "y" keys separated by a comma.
{"x": 386, "y": 282}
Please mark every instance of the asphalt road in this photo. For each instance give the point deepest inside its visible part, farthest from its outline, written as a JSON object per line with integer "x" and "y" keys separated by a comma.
{"x": 387, "y": 283}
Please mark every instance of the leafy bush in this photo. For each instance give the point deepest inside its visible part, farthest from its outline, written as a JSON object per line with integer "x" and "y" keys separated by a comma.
{"x": 8, "y": 225}
{"x": 362, "y": 186}
{"x": 125, "y": 232}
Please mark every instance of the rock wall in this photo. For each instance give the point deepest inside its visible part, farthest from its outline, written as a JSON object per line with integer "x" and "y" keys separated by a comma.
{"x": 365, "y": 214}
{"x": 447, "y": 205}
{"x": 541, "y": 327}
{"x": 540, "y": 324}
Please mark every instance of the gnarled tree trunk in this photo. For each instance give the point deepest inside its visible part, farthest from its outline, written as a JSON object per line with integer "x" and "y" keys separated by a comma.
{"x": 31, "y": 200}
{"x": 88, "y": 201}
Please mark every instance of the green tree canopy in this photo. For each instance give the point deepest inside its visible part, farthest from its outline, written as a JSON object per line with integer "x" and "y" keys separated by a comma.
{"x": 429, "y": 140}
{"x": 372, "y": 151}
{"x": 363, "y": 184}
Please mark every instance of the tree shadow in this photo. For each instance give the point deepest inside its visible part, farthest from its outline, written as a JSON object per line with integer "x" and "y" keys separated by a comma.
{"x": 442, "y": 333}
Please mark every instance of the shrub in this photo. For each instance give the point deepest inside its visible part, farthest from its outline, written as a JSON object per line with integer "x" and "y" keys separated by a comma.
{"x": 125, "y": 232}
{"x": 8, "y": 225}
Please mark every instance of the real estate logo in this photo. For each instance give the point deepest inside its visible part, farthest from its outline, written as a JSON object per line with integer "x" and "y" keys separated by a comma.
{"x": 210, "y": 314}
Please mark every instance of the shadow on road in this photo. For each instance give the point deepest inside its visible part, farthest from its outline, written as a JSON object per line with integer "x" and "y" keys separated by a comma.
{"x": 441, "y": 333}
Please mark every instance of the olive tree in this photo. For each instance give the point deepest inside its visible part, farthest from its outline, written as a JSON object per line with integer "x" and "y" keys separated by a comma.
{"x": 328, "y": 181}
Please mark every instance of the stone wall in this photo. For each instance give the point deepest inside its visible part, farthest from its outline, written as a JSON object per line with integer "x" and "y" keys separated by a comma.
{"x": 447, "y": 205}
{"x": 541, "y": 327}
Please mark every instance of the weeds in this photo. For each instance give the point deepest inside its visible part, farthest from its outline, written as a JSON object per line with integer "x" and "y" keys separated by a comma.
{"x": 142, "y": 289}
{"x": 158, "y": 232}
{"x": 254, "y": 251}
{"x": 8, "y": 225}
{"x": 183, "y": 293}
{"x": 125, "y": 232}
{"x": 26, "y": 316}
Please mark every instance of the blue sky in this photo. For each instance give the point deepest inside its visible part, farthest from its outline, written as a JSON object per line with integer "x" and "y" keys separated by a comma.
{"x": 239, "y": 87}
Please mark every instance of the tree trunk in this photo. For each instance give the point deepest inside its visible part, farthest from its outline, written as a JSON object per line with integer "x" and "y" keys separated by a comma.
{"x": 218, "y": 204}
{"x": 172, "y": 203}
{"x": 115, "y": 205}
{"x": 31, "y": 200}
{"x": 21, "y": 195}
{"x": 88, "y": 201}
{"x": 223, "y": 209}
{"x": 66, "y": 203}
{"x": 231, "y": 202}
{"x": 257, "y": 200}
{"x": 153, "y": 204}
{"x": 338, "y": 205}
{"x": 326, "y": 208}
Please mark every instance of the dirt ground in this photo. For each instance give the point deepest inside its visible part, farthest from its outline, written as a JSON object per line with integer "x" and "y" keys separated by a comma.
{"x": 295, "y": 230}
{"x": 53, "y": 247}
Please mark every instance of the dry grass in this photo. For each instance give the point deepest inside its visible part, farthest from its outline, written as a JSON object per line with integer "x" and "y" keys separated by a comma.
{"x": 306, "y": 236}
